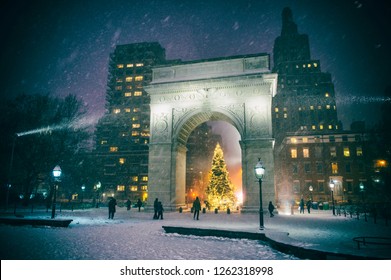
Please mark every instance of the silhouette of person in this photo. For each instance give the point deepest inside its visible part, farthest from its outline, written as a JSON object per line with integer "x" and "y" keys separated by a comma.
{"x": 155, "y": 208}
{"x": 139, "y": 204}
{"x": 196, "y": 208}
{"x": 160, "y": 210}
{"x": 112, "y": 204}
{"x": 302, "y": 206}
{"x": 271, "y": 209}
{"x": 128, "y": 204}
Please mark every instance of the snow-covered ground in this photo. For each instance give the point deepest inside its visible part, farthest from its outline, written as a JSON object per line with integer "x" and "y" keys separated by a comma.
{"x": 135, "y": 235}
{"x": 131, "y": 235}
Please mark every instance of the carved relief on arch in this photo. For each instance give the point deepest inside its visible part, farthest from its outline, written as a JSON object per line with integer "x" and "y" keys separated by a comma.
{"x": 160, "y": 126}
{"x": 257, "y": 122}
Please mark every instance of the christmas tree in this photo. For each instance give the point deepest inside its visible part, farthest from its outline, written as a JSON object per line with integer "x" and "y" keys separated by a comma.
{"x": 220, "y": 190}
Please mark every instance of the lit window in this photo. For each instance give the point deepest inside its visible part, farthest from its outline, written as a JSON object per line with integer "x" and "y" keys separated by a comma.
{"x": 135, "y": 118}
{"x": 140, "y": 64}
{"x": 120, "y": 188}
{"x": 129, "y": 79}
{"x": 359, "y": 151}
{"x": 313, "y": 127}
{"x": 117, "y": 111}
{"x": 311, "y": 107}
{"x": 113, "y": 149}
{"x": 303, "y": 65}
{"x": 321, "y": 126}
{"x": 103, "y": 142}
{"x": 330, "y": 126}
{"x": 129, "y": 65}
{"x": 121, "y": 160}
{"x": 138, "y": 93}
{"x": 319, "y": 107}
{"x": 285, "y": 115}
{"x": 334, "y": 168}
{"x": 128, "y": 94}
{"x": 144, "y": 188}
{"x": 328, "y": 107}
{"x": 144, "y": 178}
{"x": 135, "y": 178}
{"x": 136, "y": 125}
{"x": 346, "y": 152}
{"x": 138, "y": 78}
{"x": 306, "y": 152}
{"x": 276, "y": 109}
{"x": 145, "y": 134}
{"x": 120, "y": 66}
{"x": 315, "y": 64}
{"x": 135, "y": 133}
{"x": 133, "y": 188}
{"x": 118, "y": 88}
{"x": 309, "y": 65}
{"x": 326, "y": 94}
{"x": 293, "y": 153}
{"x": 127, "y": 110}
{"x": 128, "y": 87}
{"x": 294, "y": 140}
{"x": 136, "y": 110}
{"x": 305, "y": 140}
{"x": 119, "y": 80}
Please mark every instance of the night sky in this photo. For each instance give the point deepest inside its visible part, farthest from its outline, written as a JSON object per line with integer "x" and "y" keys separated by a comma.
{"x": 63, "y": 47}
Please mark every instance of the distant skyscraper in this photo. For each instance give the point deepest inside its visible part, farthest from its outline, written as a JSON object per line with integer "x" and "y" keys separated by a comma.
{"x": 305, "y": 99}
{"x": 122, "y": 134}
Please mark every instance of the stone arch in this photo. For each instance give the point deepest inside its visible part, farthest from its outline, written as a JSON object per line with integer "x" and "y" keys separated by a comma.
{"x": 237, "y": 90}
{"x": 189, "y": 123}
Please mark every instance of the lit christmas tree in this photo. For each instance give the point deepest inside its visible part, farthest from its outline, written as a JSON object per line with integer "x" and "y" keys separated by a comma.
{"x": 220, "y": 191}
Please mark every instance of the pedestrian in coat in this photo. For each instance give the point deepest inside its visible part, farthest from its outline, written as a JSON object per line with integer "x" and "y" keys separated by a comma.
{"x": 309, "y": 205}
{"x": 196, "y": 208}
{"x": 139, "y": 204}
{"x": 271, "y": 209}
{"x": 302, "y": 206}
{"x": 160, "y": 210}
{"x": 155, "y": 208}
{"x": 112, "y": 204}
{"x": 128, "y": 204}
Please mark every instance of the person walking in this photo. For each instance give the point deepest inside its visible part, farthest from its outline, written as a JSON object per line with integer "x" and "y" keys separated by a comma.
{"x": 309, "y": 205}
{"x": 155, "y": 208}
{"x": 112, "y": 204}
{"x": 139, "y": 204}
{"x": 196, "y": 208}
{"x": 302, "y": 206}
{"x": 271, "y": 209}
{"x": 160, "y": 210}
{"x": 128, "y": 204}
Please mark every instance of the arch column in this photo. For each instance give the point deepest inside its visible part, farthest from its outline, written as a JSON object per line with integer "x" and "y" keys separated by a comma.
{"x": 252, "y": 150}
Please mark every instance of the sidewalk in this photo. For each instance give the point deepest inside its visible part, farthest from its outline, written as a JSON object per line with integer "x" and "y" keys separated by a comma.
{"x": 318, "y": 235}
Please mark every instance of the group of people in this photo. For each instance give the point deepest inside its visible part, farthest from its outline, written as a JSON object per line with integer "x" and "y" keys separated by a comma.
{"x": 308, "y": 204}
{"x": 158, "y": 208}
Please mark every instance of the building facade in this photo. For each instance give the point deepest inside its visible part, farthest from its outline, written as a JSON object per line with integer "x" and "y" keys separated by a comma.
{"x": 122, "y": 134}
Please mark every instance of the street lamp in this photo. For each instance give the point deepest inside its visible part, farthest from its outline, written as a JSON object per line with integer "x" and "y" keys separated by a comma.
{"x": 332, "y": 185}
{"x": 57, "y": 179}
{"x": 98, "y": 185}
{"x": 83, "y": 187}
{"x": 310, "y": 188}
{"x": 362, "y": 190}
{"x": 259, "y": 170}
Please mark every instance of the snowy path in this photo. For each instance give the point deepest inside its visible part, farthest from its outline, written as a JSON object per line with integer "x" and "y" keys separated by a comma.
{"x": 91, "y": 236}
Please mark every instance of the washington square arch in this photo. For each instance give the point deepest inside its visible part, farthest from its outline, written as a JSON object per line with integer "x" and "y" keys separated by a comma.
{"x": 238, "y": 90}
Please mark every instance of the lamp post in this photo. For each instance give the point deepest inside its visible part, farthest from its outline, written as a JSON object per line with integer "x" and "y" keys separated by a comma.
{"x": 362, "y": 190}
{"x": 98, "y": 185}
{"x": 310, "y": 188}
{"x": 259, "y": 170}
{"x": 57, "y": 179}
{"x": 332, "y": 185}
{"x": 83, "y": 188}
